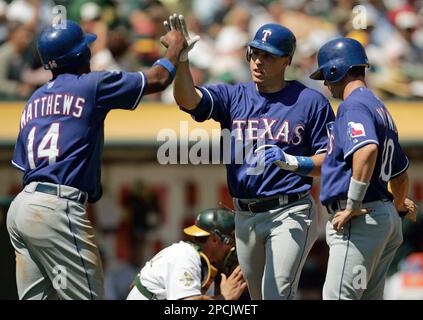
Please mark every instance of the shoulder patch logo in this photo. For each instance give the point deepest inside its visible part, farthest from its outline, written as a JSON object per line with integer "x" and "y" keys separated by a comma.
{"x": 186, "y": 279}
{"x": 356, "y": 130}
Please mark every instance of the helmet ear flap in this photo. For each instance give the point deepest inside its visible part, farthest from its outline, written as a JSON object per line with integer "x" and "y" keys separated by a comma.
{"x": 248, "y": 53}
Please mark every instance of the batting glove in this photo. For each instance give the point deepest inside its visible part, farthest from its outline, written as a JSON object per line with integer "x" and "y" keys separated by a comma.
{"x": 285, "y": 161}
{"x": 178, "y": 23}
{"x": 281, "y": 159}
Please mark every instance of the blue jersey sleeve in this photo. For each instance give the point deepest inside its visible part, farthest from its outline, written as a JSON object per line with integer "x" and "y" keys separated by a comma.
{"x": 214, "y": 104}
{"x": 318, "y": 122}
{"x": 400, "y": 162}
{"x": 358, "y": 130}
{"x": 19, "y": 160}
{"x": 120, "y": 90}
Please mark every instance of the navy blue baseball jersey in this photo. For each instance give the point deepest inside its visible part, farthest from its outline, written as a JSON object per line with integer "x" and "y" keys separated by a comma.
{"x": 362, "y": 119}
{"x": 62, "y": 127}
{"x": 293, "y": 118}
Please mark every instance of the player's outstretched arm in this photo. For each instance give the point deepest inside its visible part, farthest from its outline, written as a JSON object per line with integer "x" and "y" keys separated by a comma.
{"x": 161, "y": 74}
{"x": 184, "y": 91}
{"x": 406, "y": 207}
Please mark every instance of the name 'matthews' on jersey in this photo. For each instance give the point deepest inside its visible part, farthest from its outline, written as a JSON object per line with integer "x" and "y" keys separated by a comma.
{"x": 62, "y": 127}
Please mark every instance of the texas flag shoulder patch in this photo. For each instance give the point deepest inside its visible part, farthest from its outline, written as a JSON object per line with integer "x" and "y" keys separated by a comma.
{"x": 356, "y": 130}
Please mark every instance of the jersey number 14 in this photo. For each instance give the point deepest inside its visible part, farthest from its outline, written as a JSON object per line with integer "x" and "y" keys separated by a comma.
{"x": 47, "y": 147}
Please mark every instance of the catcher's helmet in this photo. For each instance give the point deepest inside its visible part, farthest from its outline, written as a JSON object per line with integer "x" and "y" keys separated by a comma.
{"x": 338, "y": 56}
{"x": 64, "y": 46}
{"x": 220, "y": 222}
{"x": 275, "y": 39}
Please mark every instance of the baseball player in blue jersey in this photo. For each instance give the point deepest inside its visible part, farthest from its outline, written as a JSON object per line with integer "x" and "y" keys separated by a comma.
{"x": 364, "y": 228}
{"x": 275, "y": 215}
{"x": 59, "y": 150}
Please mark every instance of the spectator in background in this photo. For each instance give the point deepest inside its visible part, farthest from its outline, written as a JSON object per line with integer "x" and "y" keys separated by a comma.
{"x": 407, "y": 283}
{"x": 296, "y": 17}
{"x": 24, "y": 11}
{"x": 411, "y": 64}
{"x": 204, "y": 52}
{"x": 392, "y": 75}
{"x": 118, "y": 279}
{"x": 102, "y": 59}
{"x": 119, "y": 44}
{"x": 129, "y": 32}
{"x": 231, "y": 43}
{"x": 37, "y": 14}
{"x": 142, "y": 207}
{"x": 305, "y": 61}
{"x": 206, "y": 11}
{"x": 33, "y": 14}
{"x": 378, "y": 26}
{"x": 146, "y": 26}
{"x": 107, "y": 217}
{"x": 13, "y": 63}
{"x": 118, "y": 275}
{"x": 3, "y": 21}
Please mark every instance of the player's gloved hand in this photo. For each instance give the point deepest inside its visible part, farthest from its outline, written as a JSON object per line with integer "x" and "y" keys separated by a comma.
{"x": 178, "y": 23}
{"x": 285, "y": 161}
{"x": 281, "y": 159}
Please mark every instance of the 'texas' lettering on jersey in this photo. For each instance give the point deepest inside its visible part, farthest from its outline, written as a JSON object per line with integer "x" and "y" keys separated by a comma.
{"x": 268, "y": 129}
{"x": 53, "y": 104}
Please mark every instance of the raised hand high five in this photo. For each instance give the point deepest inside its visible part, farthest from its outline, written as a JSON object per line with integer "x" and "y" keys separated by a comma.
{"x": 176, "y": 22}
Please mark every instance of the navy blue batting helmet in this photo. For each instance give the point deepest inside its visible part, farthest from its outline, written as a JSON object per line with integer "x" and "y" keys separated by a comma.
{"x": 338, "y": 56}
{"x": 275, "y": 39}
{"x": 65, "y": 45}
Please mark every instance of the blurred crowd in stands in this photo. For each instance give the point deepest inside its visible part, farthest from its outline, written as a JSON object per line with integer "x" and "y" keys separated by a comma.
{"x": 129, "y": 31}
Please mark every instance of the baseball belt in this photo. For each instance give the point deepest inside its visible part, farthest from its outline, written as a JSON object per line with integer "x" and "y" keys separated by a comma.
{"x": 341, "y": 204}
{"x": 62, "y": 191}
{"x": 266, "y": 204}
{"x": 336, "y": 205}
